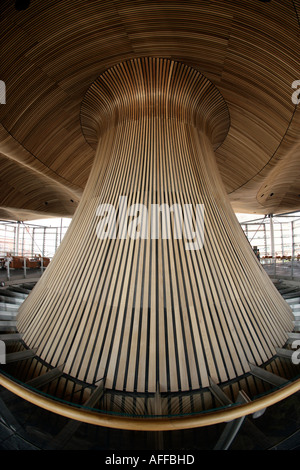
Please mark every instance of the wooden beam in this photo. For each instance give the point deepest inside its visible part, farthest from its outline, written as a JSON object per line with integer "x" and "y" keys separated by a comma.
{"x": 11, "y": 337}
{"x": 232, "y": 428}
{"x": 47, "y": 377}
{"x": 225, "y": 400}
{"x": 20, "y": 355}
{"x": 66, "y": 433}
{"x": 284, "y": 352}
{"x": 267, "y": 376}
{"x": 218, "y": 393}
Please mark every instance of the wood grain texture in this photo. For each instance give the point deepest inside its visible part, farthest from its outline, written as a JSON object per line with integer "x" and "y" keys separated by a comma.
{"x": 147, "y": 312}
{"x": 52, "y": 52}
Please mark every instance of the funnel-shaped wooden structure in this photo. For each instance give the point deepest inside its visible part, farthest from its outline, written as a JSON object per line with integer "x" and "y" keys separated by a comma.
{"x": 130, "y": 295}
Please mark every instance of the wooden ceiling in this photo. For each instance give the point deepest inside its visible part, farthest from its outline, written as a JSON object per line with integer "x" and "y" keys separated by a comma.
{"x": 54, "y": 50}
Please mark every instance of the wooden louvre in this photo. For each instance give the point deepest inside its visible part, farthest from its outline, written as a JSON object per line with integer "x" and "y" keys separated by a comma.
{"x": 140, "y": 310}
{"x": 164, "y": 102}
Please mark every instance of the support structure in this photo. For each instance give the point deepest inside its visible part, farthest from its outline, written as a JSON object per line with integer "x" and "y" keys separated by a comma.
{"x": 272, "y": 237}
{"x": 154, "y": 283}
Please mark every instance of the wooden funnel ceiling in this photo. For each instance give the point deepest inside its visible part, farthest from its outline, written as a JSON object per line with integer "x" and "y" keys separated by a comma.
{"x": 146, "y": 298}
{"x": 175, "y": 102}
{"x": 54, "y": 50}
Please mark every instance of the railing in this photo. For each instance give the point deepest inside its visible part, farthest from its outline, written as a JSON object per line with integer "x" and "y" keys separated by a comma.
{"x": 23, "y": 264}
{"x": 285, "y": 267}
{"x": 149, "y": 423}
{"x": 133, "y": 422}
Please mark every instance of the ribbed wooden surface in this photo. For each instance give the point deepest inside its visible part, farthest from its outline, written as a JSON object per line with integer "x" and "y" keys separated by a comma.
{"x": 148, "y": 313}
{"x": 52, "y": 52}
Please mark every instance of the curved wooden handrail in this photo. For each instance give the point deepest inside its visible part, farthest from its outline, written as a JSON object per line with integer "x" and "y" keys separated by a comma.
{"x": 150, "y": 424}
